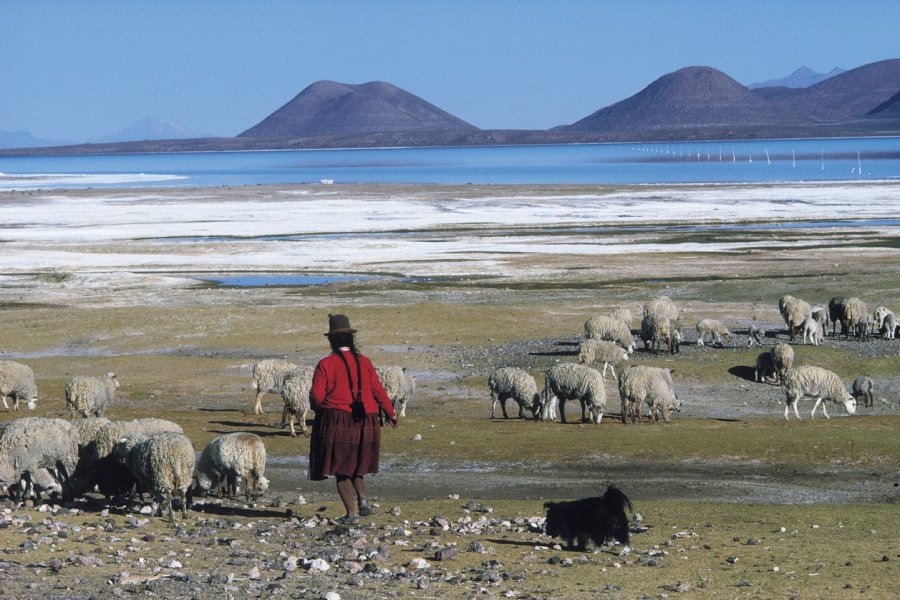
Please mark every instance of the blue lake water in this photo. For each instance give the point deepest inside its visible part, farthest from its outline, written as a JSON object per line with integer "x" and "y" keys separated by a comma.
{"x": 695, "y": 162}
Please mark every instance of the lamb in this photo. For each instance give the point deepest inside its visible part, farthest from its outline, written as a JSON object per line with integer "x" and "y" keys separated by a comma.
{"x": 639, "y": 384}
{"x": 755, "y": 335}
{"x": 662, "y": 305}
{"x": 889, "y": 327}
{"x": 164, "y": 464}
{"x": 836, "y": 314}
{"x": 17, "y": 383}
{"x": 880, "y": 314}
{"x": 295, "y": 392}
{"x": 765, "y": 367}
{"x": 571, "y": 381}
{"x": 603, "y": 351}
{"x": 820, "y": 315}
{"x": 38, "y": 450}
{"x": 818, "y": 383}
{"x": 783, "y": 357}
{"x": 610, "y": 329}
{"x": 89, "y": 396}
{"x": 515, "y": 383}
{"x": 400, "y": 386}
{"x": 715, "y": 328}
{"x": 794, "y": 312}
{"x": 861, "y": 390}
{"x": 812, "y": 330}
{"x": 230, "y": 457}
{"x": 658, "y": 328}
{"x": 854, "y": 313}
{"x": 269, "y": 376}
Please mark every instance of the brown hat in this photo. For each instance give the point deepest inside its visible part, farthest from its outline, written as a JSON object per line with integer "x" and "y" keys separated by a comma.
{"x": 339, "y": 324}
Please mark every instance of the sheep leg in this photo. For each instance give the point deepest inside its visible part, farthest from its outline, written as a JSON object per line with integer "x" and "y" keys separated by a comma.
{"x": 284, "y": 414}
{"x": 259, "y": 408}
{"x": 584, "y": 417}
{"x": 818, "y": 401}
{"x": 562, "y": 409}
{"x": 603, "y": 374}
{"x": 825, "y": 411}
{"x": 5, "y": 405}
{"x": 503, "y": 407}
{"x": 291, "y": 420}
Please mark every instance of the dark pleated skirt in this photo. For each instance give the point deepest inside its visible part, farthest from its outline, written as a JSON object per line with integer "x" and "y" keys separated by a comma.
{"x": 342, "y": 445}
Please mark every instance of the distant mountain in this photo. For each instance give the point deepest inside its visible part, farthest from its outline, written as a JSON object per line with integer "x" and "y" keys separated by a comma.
{"x": 23, "y": 139}
{"x": 151, "y": 128}
{"x": 801, "y": 78}
{"x": 889, "y": 109}
{"x": 331, "y": 108}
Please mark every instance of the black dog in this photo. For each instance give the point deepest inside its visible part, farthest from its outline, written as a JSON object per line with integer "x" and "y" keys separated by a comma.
{"x": 599, "y": 519}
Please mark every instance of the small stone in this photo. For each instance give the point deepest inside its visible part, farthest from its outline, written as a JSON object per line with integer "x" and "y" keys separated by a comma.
{"x": 752, "y": 542}
{"x": 253, "y": 573}
{"x": 318, "y": 564}
{"x": 331, "y": 596}
{"x": 445, "y": 553}
{"x": 418, "y": 563}
{"x": 417, "y": 437}
{"x": 174, "y": 564}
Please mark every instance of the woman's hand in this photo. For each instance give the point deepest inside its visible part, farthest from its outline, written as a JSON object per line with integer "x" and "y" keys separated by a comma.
{"x": 393, "y": 421}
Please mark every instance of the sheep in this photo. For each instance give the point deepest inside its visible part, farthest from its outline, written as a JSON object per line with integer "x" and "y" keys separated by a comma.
{"x": 820, "y": 315}
{"x": 657, "y": 328}
{"x": 880, "y": 315}
{"x": 515, "y": 383}
{"x": 622, "y": 314}
{"x": 295, "y": 392}
{"x": 765, "y": 367}
{"x": 755, "y": 335}
{"x": 17, "y": 383}
{"x": 836, "y": 314}
{"x": 89, "y": 396}
{"x": 854, "y": 312}
{"x": 571, "y": 381}
{"x": 889, "y": 327}
{"x": 662, "y": 305}
{"x": 861, "y": 389}
{"x": 812, "y": 330}
{"x": 817, "y": 383}
{"x": 603, "y": 351}
{"x": 783, "y": 357}
{"x": 269, "y": 376}
{"x": 862, "y": 330}
{"x": 39, "y": 450}
{"x": 715, "y": 328}
{"x": 400, "y": 386}
{"x": 230, "y": 457}
{"x": 653, "y": 385}
{"x": 164, "y": 464}
{"x": 610, "y": 329}
{"x": 794, "y": 312}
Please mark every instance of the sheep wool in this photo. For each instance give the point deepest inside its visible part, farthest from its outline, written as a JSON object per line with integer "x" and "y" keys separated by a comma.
{"x": 399, "y": 385}
{"x": 164, "y": 464}
{"x": 854, "y": 312}
{"x": 662, "y": 305}
{"x": 571, "y": 381}
{"x": 295, "y": 392}
{"x": 269, "y": 376}
{"x": 512, "y": 382}
{"x": 602, "y": 327}
{"x": 657, "y": 329}
{"x": 229, "y": 458}
{"x": 32, "y": 447}
{"x": 89, "y": 396}
{"x": 794, "y": 312}
{"x": 623, "y": 314}
{"x": 17, "y": 384}
{"x": 818, "y": 383}
{"x": 783, "y": 357}
{"x": 639, "y": 384}
{"x": 609, "y": 353}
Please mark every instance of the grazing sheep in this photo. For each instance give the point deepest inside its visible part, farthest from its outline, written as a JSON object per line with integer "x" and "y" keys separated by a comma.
{"x": 794, "y": 312}
{"x": 755, "y": 336}
{"x": 571, "y": 381}
{"x": 295, "y": 392}
{"x": 38, "y": 454}
{"x": 854, "y": 313}
{"x": 230, "y": 457}
{"x": 818, "y": 383}
{"x": 269, "y": 376}
{"x": 889, "y": 327}
{"x": 861, "y": 389}
{"x": 164, "y": 464}
{"x": 820, "y": 315}
{"x": 765, "y": 368}
{"x": 399, "y": 386}
{"x": 715, "y": 328}
{"x": 783, "y": 357}
{"x": 836, "y": 314}
{"x": 658, "y": 328}
{"x": 515, "y": 383}
{"x": 622, "y": 314}
{"x": 89, "y": 396}
{"x": 879, "y": 316}
{"x": 610, "y": 329}
{"x": 662, "y": 305}
{"x": 17, "y": 383}
{"x": 812, "y": 330}
{"x": 639, "y": 384}
{"x": 609, "y": 353}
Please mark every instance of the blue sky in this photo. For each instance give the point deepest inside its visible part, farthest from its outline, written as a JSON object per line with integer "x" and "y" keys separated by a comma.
{"x": 79, "y": 70}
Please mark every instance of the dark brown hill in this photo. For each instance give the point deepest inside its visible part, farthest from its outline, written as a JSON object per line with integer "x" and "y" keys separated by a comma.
{"x": 331, "y": 108}
{"x": 688, "y": 98}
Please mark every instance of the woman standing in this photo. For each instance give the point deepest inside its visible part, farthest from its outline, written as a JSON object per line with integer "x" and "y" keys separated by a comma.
{"x": 346, "y": 435}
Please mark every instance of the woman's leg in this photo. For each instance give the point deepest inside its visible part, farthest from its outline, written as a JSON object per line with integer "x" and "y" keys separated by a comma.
{"x": 346, "y": 488}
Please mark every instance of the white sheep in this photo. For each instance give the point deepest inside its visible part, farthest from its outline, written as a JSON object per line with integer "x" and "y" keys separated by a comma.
{"x": 888, "y": 328}
{"x": 639, "y": 384}
{"x": 765, "y": 367}
{"x": 623, "y": 314}
{"x": 88, "y": 396}
{"x": 512, "y": 382}
{"x": 37, "y": 452}
{"x": 862, "y": 389}
{"x": 714, "y": 328}
{"x": 820, "y": 314}
{"x": 269, "y": 376}
{"x": 783, "y": 357}
{"x": 17, "y": 383}
{"x": 602, "y": 327}
{"x": 755, "y": 335}
{"x": 231, "y": 457}
{"x": 794, "y": 312}
{"x": 812, "y": 330}
{"x": 164, "y": 464}
{"x": 399, "y": 385}
{"x": 662, "y": 305}
{"x": 880, "y": 314}
{"x": 854, "y": 312}
{"x": 657, "y": 329}
{"x": 571, "y": 381}
{"x": 609, "y": 353}
{"x": 818, "y": 383}
{"x": 295, "y": 392}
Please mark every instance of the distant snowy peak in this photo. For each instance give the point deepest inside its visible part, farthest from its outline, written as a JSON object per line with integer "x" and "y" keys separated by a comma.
{"x": 801, "y": 78}
{"x": 152, "y": 128}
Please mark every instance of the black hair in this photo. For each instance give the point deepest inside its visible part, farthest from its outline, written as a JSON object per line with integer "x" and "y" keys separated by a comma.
{"x": 343, "y": 340}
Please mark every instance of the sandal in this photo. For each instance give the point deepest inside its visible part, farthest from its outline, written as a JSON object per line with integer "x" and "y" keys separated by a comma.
{"x": 365, "y": 510}
{"x": 347, "y": 520}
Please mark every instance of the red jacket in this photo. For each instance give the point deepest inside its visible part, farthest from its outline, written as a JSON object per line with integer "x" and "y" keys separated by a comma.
{"x": 330, "y": 388}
